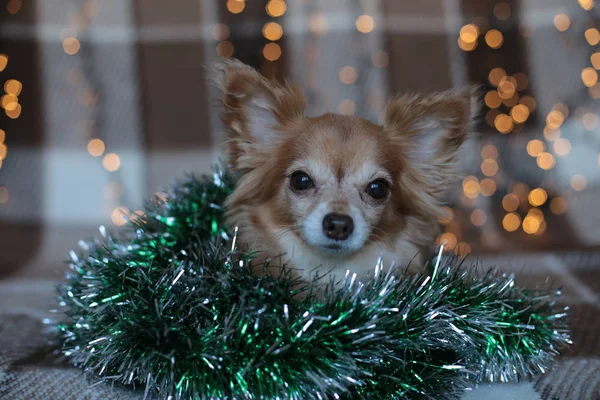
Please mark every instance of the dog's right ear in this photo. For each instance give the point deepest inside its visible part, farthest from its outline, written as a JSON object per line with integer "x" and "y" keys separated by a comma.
{"x": 252, "y": 110}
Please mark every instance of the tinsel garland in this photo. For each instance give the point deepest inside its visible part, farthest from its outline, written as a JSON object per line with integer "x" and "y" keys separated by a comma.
{"x": 170, "y": 304}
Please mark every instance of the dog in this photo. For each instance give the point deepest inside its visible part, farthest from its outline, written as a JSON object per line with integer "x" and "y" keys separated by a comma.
{"x": 336, "y": 193}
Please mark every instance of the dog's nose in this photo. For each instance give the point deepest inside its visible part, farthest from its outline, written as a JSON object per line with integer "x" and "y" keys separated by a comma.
{"x": 338, "y": 226}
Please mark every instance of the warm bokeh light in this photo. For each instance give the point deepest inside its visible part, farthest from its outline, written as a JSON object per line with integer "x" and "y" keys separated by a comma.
{"x": 462, "y": 249}
{"x": 3, "y": 151}
{"x": 492, "y": 99}
{"x": 529, "y": 102}
{"x": 590, "y": 121}
{"x": 96, "y": 147}
{"x": 531, "y": 224}
{"x": 562, "y": 22}
{"x": 272, "y": 51}
{"x": 522, "y": 81}
{"x": 318, "y": 23}
{"x": 507, "y": 87}
{"x": 502, "y": 11}
{"x": 9, "y": 102}
{"x": 535, "y": 147}
{"x": 494, "y": 38}
{"x": 225, "y": 49}
{"x": 347, "y": 107}
{"x": 111, "y": 162}
{"x": 555, "y": 119}
{"x": 562, "y": 147}
{"x": 447, "y": 217}
{"x": 469, "y": 33}
{"x": 13, "y": 86}
{"x": 503, "y": 123}
{"x": 2, "y": 136}
{"x": 276, "y": 8}
{"x": 510, "y": 202}
{"x": 448, "y": 240}
{"x": 236, "y": 6}
{"x": 120, "y": 216}
{"x": 537, "y": 197}
{"x": 511, "y": 222}
{"x": 511, "y": 101}
{"x": 594, "y": 91}
{"x": 3, "y": 61}
{"x": 466, "y": 46}
{"x": 71, "y": 45}
{"x": 478, "y": 217}
{"x": 545, "y": 161}
{"x": 578, "y": 182}
{"x": 487, "y": 187}
{"x": 471, "y": 188}
{"x": 551, "y": 134}
{"x": 380, "y": 59}
{"x": 3, "y": 195}
{"x": 14, "y": 113}
{"x": 592, "y": 36}
{"x": 496, "y": 75}
{"x": 220, "y": 32}
{"x": 365, "y": 23}
{"x": 519, "y": 113}
{"x": 489, "y": 151}
{"x": 558, "y": 205}
{"x": 13, "y": 6}
{"x": 348, "y": 74}
{"x": 272, "y": 31}
{"x": 595, "y": 60}
{"x": 489, "y": 167}
{"x": 586, "y": 4}
{"x": 589, "y": 76}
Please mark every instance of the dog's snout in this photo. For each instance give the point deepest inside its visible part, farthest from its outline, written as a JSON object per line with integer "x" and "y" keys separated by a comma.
{"x": 338, "y": 226}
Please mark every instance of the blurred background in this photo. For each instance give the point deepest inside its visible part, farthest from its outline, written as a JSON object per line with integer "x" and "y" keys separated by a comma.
{"x": 104, "y": 102}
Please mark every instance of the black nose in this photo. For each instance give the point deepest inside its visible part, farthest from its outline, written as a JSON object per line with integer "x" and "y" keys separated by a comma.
{"x": 337, "y": 226}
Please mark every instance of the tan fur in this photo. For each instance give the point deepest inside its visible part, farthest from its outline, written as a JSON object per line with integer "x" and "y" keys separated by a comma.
{"x": 342, "y": 154}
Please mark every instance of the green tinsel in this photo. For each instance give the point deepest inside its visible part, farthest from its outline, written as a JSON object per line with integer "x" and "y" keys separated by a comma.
{"x": 170, "y": 304}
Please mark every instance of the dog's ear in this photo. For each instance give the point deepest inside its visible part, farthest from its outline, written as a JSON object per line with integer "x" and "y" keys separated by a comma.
{"x": 252, "y": 110}
{"x": 430, "y": 129}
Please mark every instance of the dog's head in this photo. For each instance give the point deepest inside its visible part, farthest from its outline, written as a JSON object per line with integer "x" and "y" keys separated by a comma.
{"x": 337, "y": 182}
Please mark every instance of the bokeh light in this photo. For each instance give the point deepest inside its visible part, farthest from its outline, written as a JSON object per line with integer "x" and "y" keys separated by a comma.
{"x": 492, "y": 99}
{"x": 578, "y": 182}
{"x": 562, "y": 22}
{"x": 537, "y": 197}
{"x": 365, "y": 23}
{"x": 558, "y": 205}
{"x": 589, "y": 76}
{"x": 592, "y": 36}
{"x": 448, "y": 239}
{"x": 535, "y": 147}
{"x": 502, "y": 11}
{"x": 489, "y": 167}
{"x": 3, "y": 61}
{"x": 13, "y": 86}
{"x": 276, "y": 8}
{"x": 272, "y": 31}
{"x": 562, "y": 147}
{"x": 3, "y": 195}
{"x": 236, "y": 6}
{"x": 519, "y": 113}
{"x": 111, "y": 162}
{"x": 96, "y": 147}
{"x": 225, "y": 49}
{"x": 348, "y": 74}
{"x": 469, "y": 33}
{"x": 347, "y": 107}
{"x": 120, "y": 216}
{"x": 511, "y": 222}
{"x": 503, "y": 123}
{"x": 496, "y": 75}
{"x": 545, "y": 161}
{"x": 71, "y": 45}
{"x": 586, "y": 4}
{"x": 487, "y": 187}
{"x": 489, "y": 151}
{"x": 494, "y": 38}
{"x": 510, "y": 202}
{"x": 478, "y": 217}
{"x": 590, "y": 121}
{"x": 272, "y": 51}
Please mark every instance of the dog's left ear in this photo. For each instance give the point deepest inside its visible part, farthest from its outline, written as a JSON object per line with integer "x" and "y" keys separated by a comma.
{"x": 253, "y": 110}
{"x": 430, "y": 129}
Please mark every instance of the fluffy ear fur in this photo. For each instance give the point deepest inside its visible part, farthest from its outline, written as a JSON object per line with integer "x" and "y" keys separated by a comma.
{"x": 253, "y": 109}
{"x": 430, "y": 130}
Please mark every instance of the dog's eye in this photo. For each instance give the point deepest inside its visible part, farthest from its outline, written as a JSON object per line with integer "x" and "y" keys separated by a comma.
{"x": 378, "y": 189}
{"x": 301, "y": 181}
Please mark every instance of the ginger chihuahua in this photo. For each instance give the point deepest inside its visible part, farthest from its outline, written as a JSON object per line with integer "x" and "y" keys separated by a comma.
{"x": 334, "y": 193}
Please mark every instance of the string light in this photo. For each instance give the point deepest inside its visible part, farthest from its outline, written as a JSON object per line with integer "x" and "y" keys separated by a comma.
{"x": 503, "y": 123}
{"x": 511, "y": 222}
{"x": 489, "y": 167}
{"x": 3, "y": 61}
{"x": 586, "y": 4}
{"x": 489, "y": 151}
{"x": 236, "y": 6}
{"x": 510, "y": 202}
{"x": 537, "y": 197}
{"x": 562, "y": 22}
{"x": 529, "y": 102}
{"x": 487, "y": 187}
{"x": 272, "y": 51}
{"x": 347, "y": 107}
{"x": 13, "y": 86}
{"x": 562, "y": 147}
{"x": 272, "y": 31}
{"x": 494, "y": 38}
{"x": 595, "y": 60}
{"x": 478, "y": 217}
{"x": 276, "y": 8}
{"x": 519, "y": 113}
{"x": 558, "y": 205}
{"x": 589, "y": 76}
{"x": 578, "y": 182}
{"x": 496, "y": 75}
{"x": 448, "y": 240}
{"x": 3, "y": 151}
{"x": 225, "y": 49}
{"x": 522, "y": 81}
{"x": 551, "y": 134}
{"x": 592, "y": 36}
{"x": 466, "y": 46}
{"x": 96, "y": 147}
{"x": 348, "y": 75}
{"x": 492, "y": 99}
{"x": 15, "y": 112}
{"x": 535, "y": 147}
{"x": 590, "y": 121}
{"x": 545, "y": 161}
{"x": 71, "y": 45}
{"x": 120, "y": 216}
{"x": 555, "y": 119}
{"x": 365, "y": 23}
{"x": 111, "y": 162}
{"x": 471, "y": 188}
{"x": 220, "y": 32}
{"x": 2, "y": 136}
{"x": 469, "y": 33}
